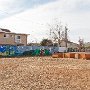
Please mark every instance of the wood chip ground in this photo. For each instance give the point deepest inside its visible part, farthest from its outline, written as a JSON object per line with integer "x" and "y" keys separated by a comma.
{"x": 44, "y": 73}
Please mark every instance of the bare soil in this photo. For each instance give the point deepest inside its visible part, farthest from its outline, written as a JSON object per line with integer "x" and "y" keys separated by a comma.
{"x": 44, "y": 73}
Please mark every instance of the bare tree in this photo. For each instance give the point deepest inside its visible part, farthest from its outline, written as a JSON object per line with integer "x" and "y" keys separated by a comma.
{"x": 81, "y": 44}
{"x": 55, "y": 33}
{"x": 58, "y": 32}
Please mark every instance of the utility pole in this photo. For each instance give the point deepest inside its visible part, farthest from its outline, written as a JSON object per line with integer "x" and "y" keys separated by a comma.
{"x": 59, "y": 39}
{"x": 66, "y": 36}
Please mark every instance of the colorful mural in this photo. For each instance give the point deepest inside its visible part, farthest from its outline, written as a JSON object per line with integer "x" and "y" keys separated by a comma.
{"x": 7, "y": 50}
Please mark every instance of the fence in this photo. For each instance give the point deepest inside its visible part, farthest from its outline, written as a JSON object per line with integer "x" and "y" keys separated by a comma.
{"x": 7, "y": 50}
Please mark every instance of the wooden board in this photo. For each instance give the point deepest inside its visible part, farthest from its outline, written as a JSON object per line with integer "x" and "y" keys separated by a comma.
{"x": 57, "y": 55}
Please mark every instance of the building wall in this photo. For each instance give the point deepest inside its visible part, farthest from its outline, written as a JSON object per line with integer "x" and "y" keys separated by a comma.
{"x": 69, "y": 45}
{"x": 72, "y": 45}
{"x": 7, "y": 40}
{"x": 11, "y": 39}
{"x": 23, "y": 39}
{"x": 62, "y": 44}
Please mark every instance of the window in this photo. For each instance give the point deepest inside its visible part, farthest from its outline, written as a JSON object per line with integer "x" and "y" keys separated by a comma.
{"x": 18, "y": 37}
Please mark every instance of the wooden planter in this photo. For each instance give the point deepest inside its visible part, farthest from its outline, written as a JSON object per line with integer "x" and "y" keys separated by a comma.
{"x": 77, "y": 56}
{"x": 69, "y": 55}
{"x": 57, "y": 55}
{"x": 84, "y": 56}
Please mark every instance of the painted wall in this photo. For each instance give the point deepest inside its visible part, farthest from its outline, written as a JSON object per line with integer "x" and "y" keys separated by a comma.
{"x": 7, "y": 50}
{"x": 19, "y": 50}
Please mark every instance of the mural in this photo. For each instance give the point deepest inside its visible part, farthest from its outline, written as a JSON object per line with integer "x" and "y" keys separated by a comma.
{"x": 8, "y": 50}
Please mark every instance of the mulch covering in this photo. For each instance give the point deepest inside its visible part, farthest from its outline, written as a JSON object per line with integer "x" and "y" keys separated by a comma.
{"x": 44, "y": 73}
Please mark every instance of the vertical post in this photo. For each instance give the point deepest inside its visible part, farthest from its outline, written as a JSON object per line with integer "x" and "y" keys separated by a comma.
{"x": 66, "y": 36}
{"x": 59, "y": 38}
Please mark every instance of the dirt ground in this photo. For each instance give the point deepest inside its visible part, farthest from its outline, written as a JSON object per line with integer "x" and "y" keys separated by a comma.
{"x": 44, "y": 73}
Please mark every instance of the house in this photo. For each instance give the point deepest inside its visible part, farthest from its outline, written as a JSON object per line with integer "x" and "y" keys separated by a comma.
{"x": 87, "y": 46}
{"x": 10, "y": 38}
{"x": 70, "y": 45}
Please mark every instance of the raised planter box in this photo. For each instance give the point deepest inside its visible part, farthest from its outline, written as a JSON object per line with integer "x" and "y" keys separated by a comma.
{"x": 69, "y": 55}
{"x": 84, "y": 56}
{"x": 77, "y": 56}
{"x": 57, "y": 55}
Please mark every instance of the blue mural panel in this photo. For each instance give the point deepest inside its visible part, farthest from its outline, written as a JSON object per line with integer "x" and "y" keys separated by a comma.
{"x": 3, "y": 51}
{"x": 7, "y": 50}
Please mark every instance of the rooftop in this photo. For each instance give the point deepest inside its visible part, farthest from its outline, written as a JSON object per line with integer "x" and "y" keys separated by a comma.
{"x": 9, "y": 32}
{"x": 4, "y": 30}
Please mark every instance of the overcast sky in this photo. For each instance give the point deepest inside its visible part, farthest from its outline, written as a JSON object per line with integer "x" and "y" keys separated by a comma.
{"x": 32, "y": 17}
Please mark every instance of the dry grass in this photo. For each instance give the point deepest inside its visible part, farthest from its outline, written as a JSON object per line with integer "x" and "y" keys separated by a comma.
{"x": 44, "y": 73}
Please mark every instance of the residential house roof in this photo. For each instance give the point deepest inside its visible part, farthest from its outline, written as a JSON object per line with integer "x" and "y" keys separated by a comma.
{"x": 9, "y": 32}
{"x": 4, "y": 30}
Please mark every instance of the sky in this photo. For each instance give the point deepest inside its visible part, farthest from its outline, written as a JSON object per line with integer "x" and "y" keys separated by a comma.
{"x": 33, "y": 16}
